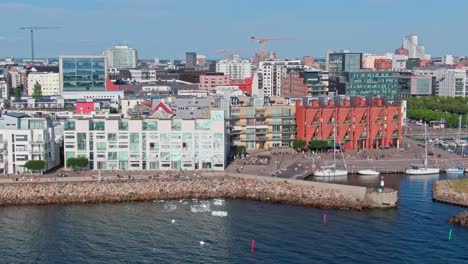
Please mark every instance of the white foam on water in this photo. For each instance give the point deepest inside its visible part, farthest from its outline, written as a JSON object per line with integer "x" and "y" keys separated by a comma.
{"x": 218, "y": 202}
{"x": 169, "y": 207}
{"x": 219, "y": 213}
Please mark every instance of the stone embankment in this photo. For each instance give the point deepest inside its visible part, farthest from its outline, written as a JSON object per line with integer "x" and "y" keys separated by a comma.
{"x": 443, "y": 192}
{"x": 200, "y": 188}
{"x": 461, "y": 219}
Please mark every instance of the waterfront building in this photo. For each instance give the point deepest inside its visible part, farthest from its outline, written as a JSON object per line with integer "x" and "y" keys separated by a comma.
{"x": 148, "y": 144}
{"x": 446, "y": 80}
{"x": 210, "y": 80}
{"x": 262, "y": 123}
{"x": 359, "y": 123}
{"x": 49, "y": 81}
{"x": 270, "y": 74}
{"x": 24, "y": 138}
{"x": 121, "y": 57}
{"x": 236, "y": 68}
{"x": 190, "y": 60}
{"x": 82, "y": 73}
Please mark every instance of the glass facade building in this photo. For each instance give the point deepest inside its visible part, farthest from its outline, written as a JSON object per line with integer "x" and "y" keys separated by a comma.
{"x": 373, "y": 83}
{"x": 344, "y": 62}
{"x": 83, "y": 73}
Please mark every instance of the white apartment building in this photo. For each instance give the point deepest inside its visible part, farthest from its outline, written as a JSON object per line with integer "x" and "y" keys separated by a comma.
{"x": 121, "y": 57}
{"x": 447, "y": 59}
{"x": 15, "y": 79}
{"x": 450, "y": 82}
{"x": 49, "y": 81}
{"x": 235, "y": 68}
{"x": 4, "y": 90}
{"x": 271, "y": 73}
{"x": 24, "y": 138}
{"x": 148, "y": 144}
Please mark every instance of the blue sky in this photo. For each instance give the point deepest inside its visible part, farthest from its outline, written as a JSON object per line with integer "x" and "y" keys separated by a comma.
{"x": 168, "y": 28}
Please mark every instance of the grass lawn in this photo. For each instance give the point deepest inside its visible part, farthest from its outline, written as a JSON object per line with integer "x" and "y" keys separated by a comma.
{"x": 459, "y": 185}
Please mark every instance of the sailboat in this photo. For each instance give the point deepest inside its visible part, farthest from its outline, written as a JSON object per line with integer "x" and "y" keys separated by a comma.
{"x": 368, "y": 172}
{"x": 425, "y": 170}
{"x": 331, "y": 171}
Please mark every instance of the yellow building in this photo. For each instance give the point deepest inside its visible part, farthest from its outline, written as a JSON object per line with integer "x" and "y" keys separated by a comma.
{"x": 263, "y": 127}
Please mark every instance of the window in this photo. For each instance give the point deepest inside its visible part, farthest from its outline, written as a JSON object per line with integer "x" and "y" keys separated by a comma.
{"x": 21, "y": 138}
{"x": 176, "y": 125}
{"x": 101, "y": 145}
{"x": 150, "y": 125}
{"x": 123, "y": 125}
{"x": 69, "y": 125}
{"x": 111, "y": 137}
{"x": 112, "y": 155}
{"x": 134, "y": 142}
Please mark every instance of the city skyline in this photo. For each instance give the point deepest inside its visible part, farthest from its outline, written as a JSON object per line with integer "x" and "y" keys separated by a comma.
{"x": 167, "y": 29}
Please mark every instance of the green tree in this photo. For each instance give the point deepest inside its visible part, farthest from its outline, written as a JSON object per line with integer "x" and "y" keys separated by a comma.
{"x": 241, "y": 150}
{"x": 18, "y": 92}
{"x": 318, "y": 144}
{"x": 79, "y": 162}
{"x": 35, "y": 165}
{"x": 37, "y": 92}
{"x": 113, "y": 110}
{"x": 299, "y": 144}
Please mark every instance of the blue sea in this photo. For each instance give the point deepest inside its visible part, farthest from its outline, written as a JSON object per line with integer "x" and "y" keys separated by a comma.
{"x": 144, "y": 232}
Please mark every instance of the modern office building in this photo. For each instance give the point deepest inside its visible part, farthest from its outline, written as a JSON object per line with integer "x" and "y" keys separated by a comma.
{"x": 344, "y": 62}
{"x": 148, "y": 144}
{"x": 270, "y": 74}
{"x": 82, "y": 73}
{"x": 370, "y": 83}
{"x": 450, "y": 82}
{"x": 359, "y": 123}
{"x": 236, "y": 68}
{"x": 190, "y": 59}
{"x": 121, "y": 57}
{"x": 399, "y": 62}
{"x": 24, "y": 138}
{"x": 49, "y": 81}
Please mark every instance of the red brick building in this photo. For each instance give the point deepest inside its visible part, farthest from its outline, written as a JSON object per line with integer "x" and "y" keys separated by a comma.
{"x": 383, "y": 64}
{"x": 358, "y": 126}
{"x": 293, "y": 85}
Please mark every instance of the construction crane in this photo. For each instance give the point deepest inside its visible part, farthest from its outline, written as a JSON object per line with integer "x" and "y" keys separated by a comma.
{"x": 31, "y": 29}
{"x": 224, "y": 51}
{"x": 262, "y": 40}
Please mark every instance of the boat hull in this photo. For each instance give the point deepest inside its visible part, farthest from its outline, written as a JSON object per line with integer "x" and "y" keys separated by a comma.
{"x": 368, "y": 172}
{"x": 422, "y": 171}
{"x": 330, "y": 173}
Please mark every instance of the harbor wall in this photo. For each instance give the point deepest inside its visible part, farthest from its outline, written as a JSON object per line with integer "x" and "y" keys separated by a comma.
{"x": 319, "y": 195}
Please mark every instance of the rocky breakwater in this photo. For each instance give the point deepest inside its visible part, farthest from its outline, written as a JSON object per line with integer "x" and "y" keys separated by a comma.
{"x": 200, "y": 188}
{"x": 461, "y": 219}
{"x": 442, "y": 191}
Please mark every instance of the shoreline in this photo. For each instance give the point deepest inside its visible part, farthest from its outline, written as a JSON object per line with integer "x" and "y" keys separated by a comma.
{"x": 443, "y": 192}
{"x": 230, "y": 187}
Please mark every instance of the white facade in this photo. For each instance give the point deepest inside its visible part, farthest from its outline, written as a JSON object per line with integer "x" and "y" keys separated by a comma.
{"x": 4, "y": 90}
{"x": 271, "y": 73}
{"x": 450, "y": 82}
{"x": 15, "y": 79}
{"x": 49, "y": 81}
{"x": 414, "y": 49}
{"x": 149, "y": 144}
{"x": 447, "y": 59}
{"x": 24, "y": 138}
{"x": 235, "y": 68}
{"x": 399, "y": 62}
{"x": 128, "y": 104}
{"x": 121, "y": 57}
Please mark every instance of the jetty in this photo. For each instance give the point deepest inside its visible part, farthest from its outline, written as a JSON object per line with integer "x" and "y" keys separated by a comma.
{"x": 245, "y": 187}
{"x": 451, "y": 192}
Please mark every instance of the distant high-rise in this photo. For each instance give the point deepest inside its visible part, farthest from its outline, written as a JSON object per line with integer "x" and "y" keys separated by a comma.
{"x": 344, "y": 62}
{"x": 190, "y": 59}
{"x": 236, "y": 68}
{"x": 415, "y": 50}
{"x": 121, "y": 57}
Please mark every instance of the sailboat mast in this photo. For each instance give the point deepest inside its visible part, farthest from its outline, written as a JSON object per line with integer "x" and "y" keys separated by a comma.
{"x": 425, "y": 143}
{"x": 334, "y": 143}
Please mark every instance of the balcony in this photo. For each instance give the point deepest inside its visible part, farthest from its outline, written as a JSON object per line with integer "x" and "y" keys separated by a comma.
{"x": 261, "y": 138}
{"x": 37, "y": 151}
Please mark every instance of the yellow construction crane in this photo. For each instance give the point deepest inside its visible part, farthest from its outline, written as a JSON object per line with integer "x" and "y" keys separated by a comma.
{"x": 262, "y": 40}
{"x": 32, "y": 29}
